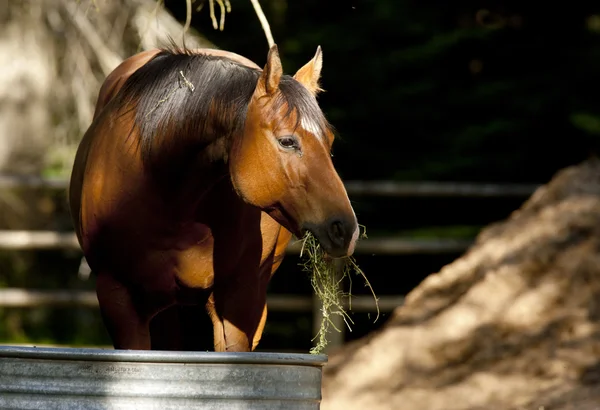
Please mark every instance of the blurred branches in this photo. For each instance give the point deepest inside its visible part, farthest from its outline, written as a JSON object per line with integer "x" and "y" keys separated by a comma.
{"x": 69, "y": 50}
{"x": 225, "y": 7}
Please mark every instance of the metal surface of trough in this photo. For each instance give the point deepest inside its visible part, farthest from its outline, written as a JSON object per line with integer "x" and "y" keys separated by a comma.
{"x": 74, "y": 378}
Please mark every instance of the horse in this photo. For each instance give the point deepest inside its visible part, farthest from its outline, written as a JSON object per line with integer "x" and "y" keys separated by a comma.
{"x": 195, "y": 173}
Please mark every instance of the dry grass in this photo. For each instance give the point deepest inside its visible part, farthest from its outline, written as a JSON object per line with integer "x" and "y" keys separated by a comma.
{"x": 326, "y": 277}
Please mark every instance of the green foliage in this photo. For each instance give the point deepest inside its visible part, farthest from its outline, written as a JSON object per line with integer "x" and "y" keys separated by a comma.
{"x": 65, "y": 325}
{"x": 589, "y": 123}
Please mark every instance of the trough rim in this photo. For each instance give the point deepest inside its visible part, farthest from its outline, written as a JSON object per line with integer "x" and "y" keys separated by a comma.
{"x": 159, "y": 356}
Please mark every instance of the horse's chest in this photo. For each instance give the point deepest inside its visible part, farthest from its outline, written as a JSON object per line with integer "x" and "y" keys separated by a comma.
{"x": 194, "y": 266}
{"x": 202, "y": 260}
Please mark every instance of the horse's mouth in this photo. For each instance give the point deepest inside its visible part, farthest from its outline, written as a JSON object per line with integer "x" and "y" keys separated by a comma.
{"x": 280, "y": 215}
{"x": 333, "y": 244}
{"x": 330, "y": 249}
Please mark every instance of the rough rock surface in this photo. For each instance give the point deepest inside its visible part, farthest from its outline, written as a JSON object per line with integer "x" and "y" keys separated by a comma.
{"x": 512, "y": 324}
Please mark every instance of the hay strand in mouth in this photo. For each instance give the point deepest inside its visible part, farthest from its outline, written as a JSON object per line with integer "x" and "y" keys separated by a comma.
{"x": 326, "y": 283}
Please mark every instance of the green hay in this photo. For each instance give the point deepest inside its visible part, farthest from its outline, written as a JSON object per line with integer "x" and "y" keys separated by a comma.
{"x": 327, "y": 286}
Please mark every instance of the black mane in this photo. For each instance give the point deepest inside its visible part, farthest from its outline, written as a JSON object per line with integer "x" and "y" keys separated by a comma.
{"x": 179, "y": 94}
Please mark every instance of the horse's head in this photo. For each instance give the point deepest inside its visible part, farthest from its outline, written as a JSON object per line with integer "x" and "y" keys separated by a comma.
{"x": 282, "y": 162}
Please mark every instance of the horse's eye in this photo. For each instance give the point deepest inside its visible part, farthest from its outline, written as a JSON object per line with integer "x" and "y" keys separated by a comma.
{"x": 288, "y": 142}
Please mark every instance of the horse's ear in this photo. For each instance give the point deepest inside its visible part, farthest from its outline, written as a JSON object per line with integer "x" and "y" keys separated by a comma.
{"x": 310, "y": 74}
{"x": 269, "y": 80}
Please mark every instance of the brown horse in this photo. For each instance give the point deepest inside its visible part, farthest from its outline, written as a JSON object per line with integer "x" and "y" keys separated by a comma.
{"x": 188, "y": 185}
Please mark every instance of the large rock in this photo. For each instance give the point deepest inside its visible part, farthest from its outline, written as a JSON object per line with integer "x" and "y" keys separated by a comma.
{"x": 512, "y": 324}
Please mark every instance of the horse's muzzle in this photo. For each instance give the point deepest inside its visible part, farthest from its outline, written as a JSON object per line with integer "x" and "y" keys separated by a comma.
{"x": 337, "y": 236}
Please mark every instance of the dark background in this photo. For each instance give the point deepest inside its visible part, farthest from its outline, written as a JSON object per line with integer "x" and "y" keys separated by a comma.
{"x": 478, "y": 91}
{"x": 472, "y": 91}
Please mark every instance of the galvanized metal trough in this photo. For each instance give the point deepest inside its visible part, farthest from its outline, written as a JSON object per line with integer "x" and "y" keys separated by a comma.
{"x": 72, "y": 378}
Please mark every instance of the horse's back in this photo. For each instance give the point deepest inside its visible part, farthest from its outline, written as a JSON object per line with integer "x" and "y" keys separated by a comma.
{"x": 115, "y": 80}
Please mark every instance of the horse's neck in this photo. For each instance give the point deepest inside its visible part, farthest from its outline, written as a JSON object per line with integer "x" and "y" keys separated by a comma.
{"x": 188, "y": 179}
{"x": 187, "y": 187}
{"x": 206, "y": 195}
{"x": 221, "y": 209}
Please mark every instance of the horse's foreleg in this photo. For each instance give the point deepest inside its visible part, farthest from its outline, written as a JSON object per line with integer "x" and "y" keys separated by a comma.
{"x": 260, "y": 328}
{"x": 126, "y": 325}
{"x": 238, "y": 314}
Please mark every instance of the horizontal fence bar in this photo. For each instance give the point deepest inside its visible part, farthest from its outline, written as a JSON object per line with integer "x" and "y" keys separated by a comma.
{"x": 396, "y": 246}
{"x": 29, "y": 298}
{"x": 26, "y": 298}
{"x": 32, "y": 181}
{"x": 438, "y": 189}
{"x": 30, "y": 240}
{"x": 362, "y": 188}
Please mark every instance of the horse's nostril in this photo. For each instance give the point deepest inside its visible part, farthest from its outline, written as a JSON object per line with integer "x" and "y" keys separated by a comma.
{"x": 337, "y": 230}
{"x": 336, "y": 235}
